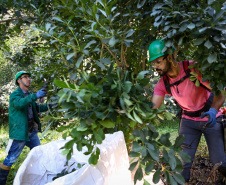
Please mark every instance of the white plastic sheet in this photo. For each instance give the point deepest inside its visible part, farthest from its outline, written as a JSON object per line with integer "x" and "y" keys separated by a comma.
{"x": 45, "y": 161}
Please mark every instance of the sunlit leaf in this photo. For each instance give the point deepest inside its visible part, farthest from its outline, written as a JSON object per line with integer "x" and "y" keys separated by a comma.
{"x": 107, "y": 123}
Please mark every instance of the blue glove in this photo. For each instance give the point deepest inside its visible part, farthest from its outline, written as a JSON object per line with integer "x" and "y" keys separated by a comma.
{"x": 211, "y": 114}
{"x": 41, "y": 93}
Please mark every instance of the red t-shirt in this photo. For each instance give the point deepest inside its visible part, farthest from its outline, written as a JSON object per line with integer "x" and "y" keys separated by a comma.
{"x": 189, "y": 97}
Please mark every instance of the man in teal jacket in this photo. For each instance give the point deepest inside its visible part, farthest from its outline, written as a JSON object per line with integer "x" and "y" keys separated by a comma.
{"x": 23, "y": 121}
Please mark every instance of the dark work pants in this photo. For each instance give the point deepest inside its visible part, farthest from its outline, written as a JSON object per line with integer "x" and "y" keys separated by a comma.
{"x": 192, "y": 130}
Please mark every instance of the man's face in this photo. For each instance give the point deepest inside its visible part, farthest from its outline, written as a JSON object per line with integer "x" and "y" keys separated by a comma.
{"x": 161, "y": 65}
{"x": 26, "y": 79}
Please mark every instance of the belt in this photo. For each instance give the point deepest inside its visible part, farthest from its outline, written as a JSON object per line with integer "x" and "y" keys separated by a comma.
{"x": 198, "y": 113}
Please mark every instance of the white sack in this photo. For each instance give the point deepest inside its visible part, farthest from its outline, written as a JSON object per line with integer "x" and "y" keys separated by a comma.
{"x": 45, "y": 161}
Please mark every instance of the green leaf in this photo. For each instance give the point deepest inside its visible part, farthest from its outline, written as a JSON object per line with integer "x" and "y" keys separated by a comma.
{"x": 98, "y": 138}
{"x": 144, "y": 152}
{"x": 164, "y": 139}
{"x": 65, "y": 152}
{"x": 194, "y": 74}
{"x": 103, "y": 12}
{"x": 133, "y": 165}
{"x": 192, "y": 78}
{"x": 185, "y": 157}
{"x": 107, "y": 123}
{"x": 191, "y": 26}
{"x": 146, "y": 182}
{"x": 140, "y": 4}
{"x": 203, "y": 29}
{"x": 100, "y": 64}
{"x": 47, "y": 118}
{"x": 60, "y": 83}
{"x": 168, "y": 116}
{"x": 149, "y": 167}
{"x": 130, "y": 117}
{"x": 112, "y": 41}
{"x": 90, "y": 43}
{"x": 48, "y": 25}
{"x": 57, "y": 19}
{"x": 142, "y": 74}
{"x": 94, "y": 8}
{"x": 179, "y": 168}
{"x": 122, "y": 103}
{"x": 172, "y": 160}
{"x": 64, "y": 135}
{"x": 81, "y": 129}
{"x": 69, "y": 144}
{"x": 165, "y": 155}
{"x": 198, "y": 41}
{"x": 178, "y": 142}
{"x": 128, "y": 85}
{"x": 93, "y": 159}
{"x": 183, "y": 27}
{"x": 179, "y": 178}
{"x": 134, "y": 154}
{"x": 127, "y": 102}
{"x": 197, "y": 83}
{"x": 70, "y": 56}
{"x": 212, "y": 58}
{"x": 106, "y": 61}
{"x": 154, "y": 154}
{"x": 180, "y": 41}
{"x": 136, "y": 147}
{"x": 150, "y": 146}
{"x": 137, "y": 118}
{"x": 156, "y": 176}
{"x": 130, "y": 32}
{"x": 161, "y": 116}
{"x": 79, "y": 61}
{"x": 172, "y": 181}
{"x": 208, "y": 44}
{"x": 138, "y": 175}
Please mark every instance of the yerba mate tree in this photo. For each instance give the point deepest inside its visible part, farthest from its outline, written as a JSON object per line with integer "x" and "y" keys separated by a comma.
{"x": 98, "y": 63}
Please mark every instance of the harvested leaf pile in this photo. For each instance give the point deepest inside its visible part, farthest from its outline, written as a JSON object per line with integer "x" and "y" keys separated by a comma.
{"x": 203, "y": 172}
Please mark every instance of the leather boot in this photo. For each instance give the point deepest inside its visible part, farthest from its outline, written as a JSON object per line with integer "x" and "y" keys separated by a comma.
{"x": 4, "y": 171}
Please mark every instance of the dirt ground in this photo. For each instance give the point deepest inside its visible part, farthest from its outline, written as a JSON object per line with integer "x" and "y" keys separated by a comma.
{"x": 203, "y": 172}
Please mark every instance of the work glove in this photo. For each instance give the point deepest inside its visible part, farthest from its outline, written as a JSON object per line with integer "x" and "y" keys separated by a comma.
{"x": 41, "y": 93}
{"x": 211, "y": 114}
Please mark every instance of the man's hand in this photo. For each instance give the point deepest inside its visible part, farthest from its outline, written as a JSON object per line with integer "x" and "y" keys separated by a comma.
{"x": 211, "y": 114}
{"x": 41, "y": 93}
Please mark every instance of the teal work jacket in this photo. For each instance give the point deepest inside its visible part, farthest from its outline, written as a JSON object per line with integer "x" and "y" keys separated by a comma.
{"x": 18, "y": 114}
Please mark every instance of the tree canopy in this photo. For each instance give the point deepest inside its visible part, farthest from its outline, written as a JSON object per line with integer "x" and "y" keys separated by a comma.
{"x": 95, "y": 55}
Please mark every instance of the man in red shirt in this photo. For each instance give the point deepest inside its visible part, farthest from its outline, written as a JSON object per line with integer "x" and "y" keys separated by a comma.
{"x": 200, "y": 108}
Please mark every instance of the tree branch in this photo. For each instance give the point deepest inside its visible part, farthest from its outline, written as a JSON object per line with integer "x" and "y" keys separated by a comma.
{"x": 117, "y": 62}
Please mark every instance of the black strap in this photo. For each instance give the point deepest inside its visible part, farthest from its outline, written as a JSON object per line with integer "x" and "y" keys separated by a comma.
{"x": 187, "y": 72}
{"x": 201, "y": 111}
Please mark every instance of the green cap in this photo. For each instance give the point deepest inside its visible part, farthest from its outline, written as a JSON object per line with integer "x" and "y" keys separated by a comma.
{"x": 155, "y": 49}
{"x": 19, "y": 74}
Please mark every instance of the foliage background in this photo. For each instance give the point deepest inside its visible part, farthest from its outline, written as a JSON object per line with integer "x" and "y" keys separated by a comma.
{"x": 71, "y": 43}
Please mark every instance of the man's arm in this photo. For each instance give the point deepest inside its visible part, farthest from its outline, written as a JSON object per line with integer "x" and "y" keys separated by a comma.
{"x": 218, "y": 101}
{"x": 157, "y": 101}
